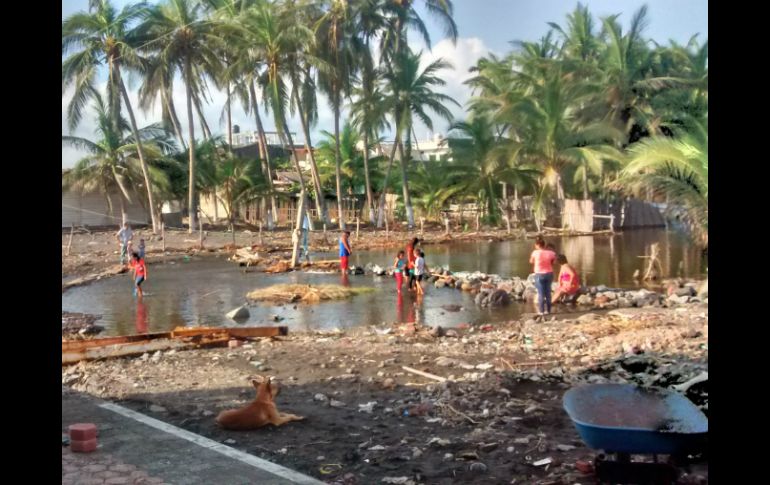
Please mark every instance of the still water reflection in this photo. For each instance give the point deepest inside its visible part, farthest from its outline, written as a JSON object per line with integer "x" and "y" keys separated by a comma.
{"x": 203, "y": 290}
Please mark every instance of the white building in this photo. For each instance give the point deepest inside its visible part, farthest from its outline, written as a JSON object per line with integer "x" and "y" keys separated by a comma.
{"x": 251, "y": 137}
{"x": 428, "y": 150}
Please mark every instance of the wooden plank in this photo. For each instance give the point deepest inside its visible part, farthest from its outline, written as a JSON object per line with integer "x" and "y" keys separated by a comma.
{"x": 179, "y": 332}
{"x": 247, "y": 332}
{"x": 68, "y": 345}
{"x": 241, "y": 332}
{"x": 137, "y": 348}
{"x": 72, "y": 356}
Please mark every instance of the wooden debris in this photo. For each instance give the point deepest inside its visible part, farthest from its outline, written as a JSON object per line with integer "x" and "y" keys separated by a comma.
{"x": 424, "y": 374}
{"x": 180, "y": 338}
{"x": 246, "y": 256}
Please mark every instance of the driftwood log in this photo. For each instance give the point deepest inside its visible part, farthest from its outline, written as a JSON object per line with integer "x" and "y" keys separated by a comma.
{"x": 654, "y": 268}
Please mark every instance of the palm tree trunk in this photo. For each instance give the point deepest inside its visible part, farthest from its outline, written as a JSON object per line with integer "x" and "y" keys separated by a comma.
{"x": 140, "y": 152}
{"x": 338, "y": 161}
{"x": 174, "y": 120}
{"x": 264, "y": 150}
{"x": 192, "y": 208}
{"x": 559, "y": 188}
{"x": 114, "y": 92}
{"x": 369, "y": 198}
{"x": 405, "y": 183}
{"x": 381, "y": 211}
{"x": 261, "y": 139}
{"x": 320, "y": 200}
{"x": 491, "y": 200}
{"x": 585, "y": 184}
{"x": 123, "y": 213}
{"x": 204, "y": 126}
{"x": 229, "y": 120}
{"x": 289, "y": 145}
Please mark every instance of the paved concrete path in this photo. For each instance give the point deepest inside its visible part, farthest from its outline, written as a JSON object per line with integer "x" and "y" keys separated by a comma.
{"x": 137, "y": 449}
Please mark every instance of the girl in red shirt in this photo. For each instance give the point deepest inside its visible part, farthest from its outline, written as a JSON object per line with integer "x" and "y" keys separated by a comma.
{"x": 140, "y": 273}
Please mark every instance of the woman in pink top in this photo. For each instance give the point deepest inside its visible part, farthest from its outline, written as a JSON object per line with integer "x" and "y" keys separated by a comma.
{"x": 543, "y": 260}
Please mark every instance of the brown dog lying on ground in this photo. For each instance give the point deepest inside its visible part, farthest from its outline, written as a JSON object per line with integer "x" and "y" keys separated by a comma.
{"x": 259, "y": 413}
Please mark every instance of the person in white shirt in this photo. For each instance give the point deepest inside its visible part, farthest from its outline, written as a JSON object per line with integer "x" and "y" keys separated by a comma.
{"x": 124, "y": 236}
{"x": 419, "y": 271}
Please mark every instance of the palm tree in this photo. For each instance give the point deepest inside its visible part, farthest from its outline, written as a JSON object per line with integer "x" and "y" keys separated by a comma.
{"x": 223, "y": 13}
{"x": 548, "y": 122}
{"x": 339, "y": 46}
{"x": 271, "y": 34}
{"x": 676, "y": 167}
{"x": 473, "y": 145}
{"x": 158, "y": 82}
{"x": 301, "y": 62}
{"x": 410, "y": 92}
{"x": 402, "y": 14}
{"x": 112, "y": 163}
{"x": 104, "y": 36}
{"x": 627, "y": 83}
{"x": 435, "y": 186}
{"x": 180, "y": 37}
{"x": 483, "y": 160}
{"x": 353, "y": 171}
{"x": 367, "y": 109}
{"x": 228, "y": 178}
{"x": 245, "y": 71}
{"x": 579, "y": 40}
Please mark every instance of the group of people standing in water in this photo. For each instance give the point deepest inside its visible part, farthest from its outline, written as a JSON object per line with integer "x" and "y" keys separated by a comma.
{"x": 410, "y": 263}
{"x": 542, "y": 260}
{"x": 409, "y": 266}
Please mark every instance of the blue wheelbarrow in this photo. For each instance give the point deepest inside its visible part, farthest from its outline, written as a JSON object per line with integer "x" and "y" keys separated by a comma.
{"x": 624, "y": 420}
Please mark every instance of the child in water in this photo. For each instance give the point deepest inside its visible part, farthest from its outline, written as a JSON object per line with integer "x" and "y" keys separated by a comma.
{"x": 399, "y": 266}
{"x": 419, "y": 271}
{"x": 141, "y": 248}
{"x": 569, "y": 281}
{"x": 140, "y": 274}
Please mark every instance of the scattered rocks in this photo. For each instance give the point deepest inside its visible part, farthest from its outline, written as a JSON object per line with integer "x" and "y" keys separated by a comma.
{"x": 449, "y": 362}
{"x": 452, "y": 308}
{"x": 240, "y": 313}
{"x": 399, "y": 480}
{"x": 437, "y": 442}
{"x": 367, "y": 408}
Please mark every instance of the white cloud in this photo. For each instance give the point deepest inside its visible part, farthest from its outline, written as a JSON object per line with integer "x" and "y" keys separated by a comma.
{"x": 463, "y": 55}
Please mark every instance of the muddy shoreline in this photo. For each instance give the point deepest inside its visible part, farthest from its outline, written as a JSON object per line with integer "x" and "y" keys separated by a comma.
{"x": 371, "y": 421}
{"x": 499, "y": 416}
{"x": 94, "y": 253}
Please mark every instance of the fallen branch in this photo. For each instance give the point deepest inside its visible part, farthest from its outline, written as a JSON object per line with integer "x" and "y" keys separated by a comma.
{"x": 424, "y": 374}
{"x": 507, "y": 363}
{"x": 471, "y": 420}
{"x": 702, "y": 377}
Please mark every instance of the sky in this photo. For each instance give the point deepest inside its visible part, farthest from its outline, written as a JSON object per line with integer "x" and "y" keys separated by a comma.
{"x": 484, "y": 26}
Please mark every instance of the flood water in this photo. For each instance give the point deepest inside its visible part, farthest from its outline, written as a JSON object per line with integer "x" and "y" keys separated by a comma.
{"x": 201, "y": 291}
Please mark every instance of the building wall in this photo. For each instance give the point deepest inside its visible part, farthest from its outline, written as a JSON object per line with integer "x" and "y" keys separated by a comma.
{"x": 92, "y": 210}
{"x": 212, "y": 208}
